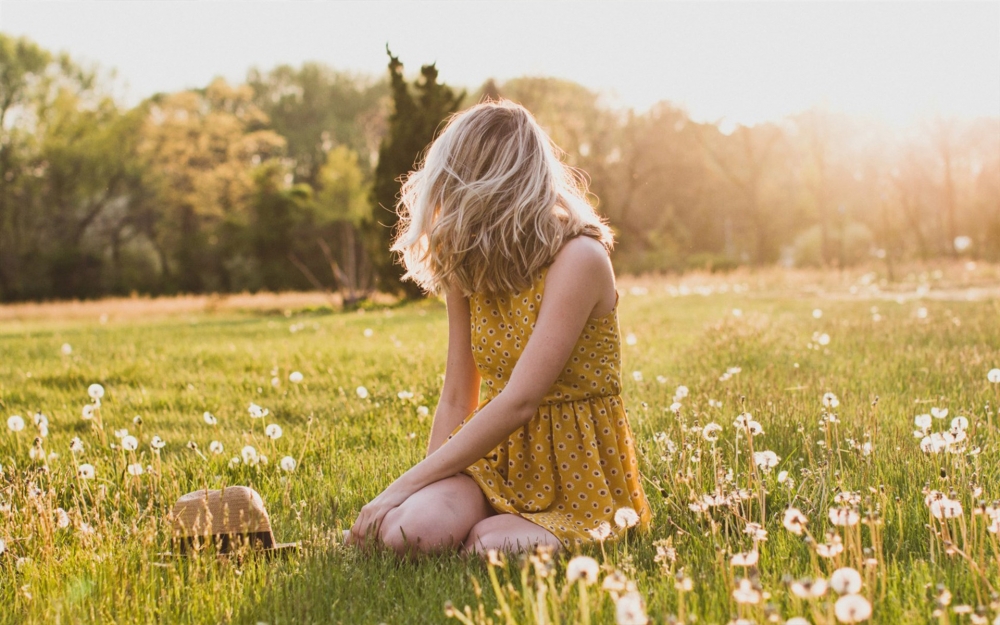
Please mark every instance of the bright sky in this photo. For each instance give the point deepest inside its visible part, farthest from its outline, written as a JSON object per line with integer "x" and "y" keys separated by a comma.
{"x": 741, "y": 61}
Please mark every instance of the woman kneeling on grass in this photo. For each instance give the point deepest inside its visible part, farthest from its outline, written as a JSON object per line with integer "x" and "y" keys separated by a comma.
{"x": 493, "y": 218}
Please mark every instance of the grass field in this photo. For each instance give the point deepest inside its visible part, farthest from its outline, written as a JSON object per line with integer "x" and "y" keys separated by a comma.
{"x": 85, "y": 550}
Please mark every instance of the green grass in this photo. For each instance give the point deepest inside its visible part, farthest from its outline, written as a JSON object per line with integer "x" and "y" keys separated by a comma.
{"x": 171, "y": 370}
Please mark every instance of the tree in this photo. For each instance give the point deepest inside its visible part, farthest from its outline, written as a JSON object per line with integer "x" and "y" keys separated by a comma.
{"x": 413, "y": 124}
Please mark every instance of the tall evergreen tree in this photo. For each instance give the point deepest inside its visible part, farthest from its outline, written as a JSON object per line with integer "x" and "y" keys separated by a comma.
{"x": 417, "y": 114}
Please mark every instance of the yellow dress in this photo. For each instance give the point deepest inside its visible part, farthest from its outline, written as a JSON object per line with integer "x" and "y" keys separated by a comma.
{"x": 574, "y": 464}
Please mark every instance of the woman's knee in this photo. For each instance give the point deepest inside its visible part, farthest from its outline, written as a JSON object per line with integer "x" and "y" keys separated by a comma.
{"x": 406, "y": 530}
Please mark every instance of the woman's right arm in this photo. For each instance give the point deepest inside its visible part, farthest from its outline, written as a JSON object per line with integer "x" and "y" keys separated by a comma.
{"x": 460, "y": 394}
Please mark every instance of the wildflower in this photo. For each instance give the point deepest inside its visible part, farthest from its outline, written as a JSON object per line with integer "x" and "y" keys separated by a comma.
{"x": 295, "y": 377}
{"x": 665, "y": 551}
{"x": 794, "y": 521}
{"x": 830, "y": 549}
{"x": 994, "y": 376}
{"x": 257, "y": 412}
{"x": 711, "y": 432}
{"x": 748, "y": 558}
{"x": 250, "y": 455}
{"x": 824, "y": 339}
{"x": 234, "y": 462}
{"x": 405, "y": 395}
{"x": 273, "y": 431}
{"x": 130, "y": 443}
{"x": 615, "y": 582}
{"x": 423, "y": 411}
{"x": 852, "y": 609}
{"x": 746, "y": 593}
{"x": 88, "y": 412}
{"x": 368, "y": 333}
{"x": 845, "y": 517}
{"x": 362, "y": 392}
{"x": 766, "y": 460}
{"x": 3, "y": 546}
{"x": 808, "y": 588}
{"x": 67, "y": 349}
{"x": 96, "y": 391}
{"x": 583, "y": 568}
{"x": 922, "y": 421}
{"x": 137, "y": 420}
{"x": 216, "y": 447}
{"x": 157, "y": 443}
{"x": 846, "y": 581}
{"x": 939, "y": 413}
{"x": 797, "y": 620}
{"x": 681, "y": 392}
{"x": 211, "y": 420}
{"x": 637, "y": 376}
{"x": 62, "y": 518}
{"x": 76, "y": 445}
{"x": 15, "y": 423}
{"x": 945, "y": 508}
{"x": 756, "y": 531}
{"x": 275, "y": 382}
{"x": 86, "y": 471}
{"x": 602, "y": 532}
{"x": 846, "y": 497}
{"x": 630, "y": 610}
{"x": 817, "y": 313}
{"x": 288, "y": 464}
{"x": 626, "y": 517}
{"x": 661, "y": 379}
{"x": 830, "y": 400}
{"x": 135, "y": 469}
{"x": 935, "y": 443}
{"x": 959, "y": 423}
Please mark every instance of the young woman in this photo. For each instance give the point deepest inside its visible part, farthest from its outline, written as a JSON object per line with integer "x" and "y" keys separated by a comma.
{"x": 496, "y": 221}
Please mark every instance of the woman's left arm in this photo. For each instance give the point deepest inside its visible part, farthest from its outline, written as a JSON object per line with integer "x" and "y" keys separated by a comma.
{"x": 575, "y": 285}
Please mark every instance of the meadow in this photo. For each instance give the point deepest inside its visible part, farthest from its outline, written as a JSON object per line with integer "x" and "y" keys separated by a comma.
{"x": 816, "y": 446}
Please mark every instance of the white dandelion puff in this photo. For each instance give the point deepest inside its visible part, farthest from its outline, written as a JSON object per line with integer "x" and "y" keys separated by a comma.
{"x": 86, "y": 471}
{"x": 130, "y": 443}
{"x": 582, "y": 568}
{"x": 216, "y": 447}
{"x": 273, "y": 431}
{"x": 135, "y": 469}
{"x": 626, "y": 517}
{"x": 295, "y": 377}
{"x": 15, "y": 423}
{"x": 96, "y": 391}
{"x": 362, "y": 392}
{"x": 852, "y": 609}
{"x": 288, "y": 464}
{"x": 845, "y": 581}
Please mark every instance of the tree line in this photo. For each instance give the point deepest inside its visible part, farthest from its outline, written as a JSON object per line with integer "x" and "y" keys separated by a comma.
{"x": 287, "y": 181}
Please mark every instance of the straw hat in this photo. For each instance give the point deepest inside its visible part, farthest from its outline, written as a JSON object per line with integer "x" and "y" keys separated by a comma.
{"x": 227, "y": 518}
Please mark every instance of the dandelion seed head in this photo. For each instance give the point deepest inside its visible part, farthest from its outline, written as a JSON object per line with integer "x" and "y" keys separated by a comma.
{"x": 15, "y": 423}
{"x": 273, "y": 431}
{"x": 993, "y": 376}
{"x": 287, "y": 464}
{"x": 216, "y": 447}
{"x": 295, "y": 377}
{"x": 362, "y": 392}
{"x": 130, "y": 443}
{"x": 67, "y": 349}
{"x": 135, "y": 469}
{"x": 852, "y": 609}
{"x": 582, "y": 568}
{"x": 86, "y": 471}
{"x": 626, "y": 517}
{"x": 257, "y": 412}
{"x": 96, "y": 391}
{"x": 157, "y": 443}
{"x": 88, "y": 412}
{"x": 845, "y": 581}
{"x": 711, "y": 432}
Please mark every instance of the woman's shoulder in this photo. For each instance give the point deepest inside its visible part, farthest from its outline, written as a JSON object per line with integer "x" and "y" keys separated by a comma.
{"x": 583, "y": 252}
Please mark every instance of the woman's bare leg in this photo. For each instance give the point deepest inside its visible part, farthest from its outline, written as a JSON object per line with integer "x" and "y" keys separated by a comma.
{"x": 435, "y": 518}
{"x": 507, "y": 532}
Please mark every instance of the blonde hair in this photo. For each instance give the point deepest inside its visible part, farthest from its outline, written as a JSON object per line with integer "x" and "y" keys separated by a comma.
{"x": 491, "y": 204}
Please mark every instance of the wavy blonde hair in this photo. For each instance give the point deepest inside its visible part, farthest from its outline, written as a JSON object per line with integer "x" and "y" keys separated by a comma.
{"x": 491, "y": 204}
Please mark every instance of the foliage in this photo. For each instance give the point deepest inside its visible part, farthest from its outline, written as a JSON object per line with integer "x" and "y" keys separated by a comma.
{"x": 417, "y": 115}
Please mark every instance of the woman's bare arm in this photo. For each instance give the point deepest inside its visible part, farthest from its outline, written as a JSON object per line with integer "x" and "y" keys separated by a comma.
{"x": 460, "y": 393}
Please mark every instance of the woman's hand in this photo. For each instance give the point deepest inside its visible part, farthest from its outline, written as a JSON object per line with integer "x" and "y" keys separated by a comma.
{"x": 369, "y": 521}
